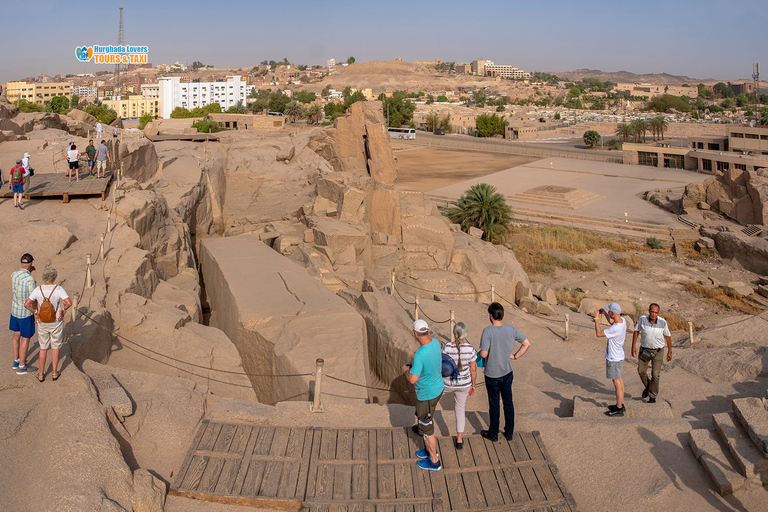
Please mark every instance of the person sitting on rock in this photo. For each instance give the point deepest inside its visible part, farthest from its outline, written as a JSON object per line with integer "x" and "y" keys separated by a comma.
{"x": 463, "y": 354}
{"x": 50, "y": 330}
{"x": 614, "y": 352}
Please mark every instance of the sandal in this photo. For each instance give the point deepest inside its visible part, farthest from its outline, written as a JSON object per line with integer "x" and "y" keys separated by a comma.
{"x": 55, "y": 376}
{"x": 40, "y": 379}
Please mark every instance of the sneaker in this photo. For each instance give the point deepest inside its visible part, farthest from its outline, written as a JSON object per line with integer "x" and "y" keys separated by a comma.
{"x": 15, "y": 364}
{"x": 427, "y": 464}
{"x": 487, "y": 434}
{"x": 422, "y": 454}
{"x": 616, "y": 411}
{"x": 21, "y": 370}
{"x": 651, "y": 400}
{"x": 646, "y": 392}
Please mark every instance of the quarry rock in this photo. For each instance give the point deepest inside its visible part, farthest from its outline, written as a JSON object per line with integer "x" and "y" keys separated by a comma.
{"x": 381, "y": 161}
{"x": 383, "y": 212}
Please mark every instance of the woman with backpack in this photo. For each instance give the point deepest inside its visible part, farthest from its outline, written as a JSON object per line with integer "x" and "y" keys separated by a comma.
{"x": 463, "y": 385}
{"x": 17, "y": 183}
{"x": 48, "y": 302}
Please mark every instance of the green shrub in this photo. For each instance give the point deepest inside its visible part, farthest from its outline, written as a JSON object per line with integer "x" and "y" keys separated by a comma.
{"x": 654, "y": 243}
{"x": 144, "y": 120}
{"x": 207, "y": 126}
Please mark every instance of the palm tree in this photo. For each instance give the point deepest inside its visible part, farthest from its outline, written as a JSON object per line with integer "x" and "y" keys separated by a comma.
{"x": 313, "y": 114}
{"x": 662, "y": 124}
{"x": 293, "y": 111}
{"x": 484, "y": 208}
{"x": 639, "y": 127}
{"x": 624, "y": 131}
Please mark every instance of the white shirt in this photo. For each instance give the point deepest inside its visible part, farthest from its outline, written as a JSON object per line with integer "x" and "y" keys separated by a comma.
{"x": 652, "y": 335}
{"x": 73, "y": 155}
{"x": 614, "y": 349}
{"x": 57, "y": 297}
{"x": 98, "y": 127}
{"x": 25, "y": 163}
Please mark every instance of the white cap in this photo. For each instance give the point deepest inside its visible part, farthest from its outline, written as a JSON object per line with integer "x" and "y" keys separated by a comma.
{"x": 421, "y": 327}
{"x": 26, "y": 155}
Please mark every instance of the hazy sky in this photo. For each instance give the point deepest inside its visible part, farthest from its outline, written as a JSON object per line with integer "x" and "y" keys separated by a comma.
{"x": 698, "y": 38}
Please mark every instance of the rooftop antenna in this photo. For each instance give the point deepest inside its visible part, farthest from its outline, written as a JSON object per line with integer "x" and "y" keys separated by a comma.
{"x": 120, "y": 42}
{"x": 756, "y": 78}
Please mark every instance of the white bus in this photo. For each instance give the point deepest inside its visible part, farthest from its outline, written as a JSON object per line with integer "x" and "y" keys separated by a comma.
{"x": 402, "y": 133}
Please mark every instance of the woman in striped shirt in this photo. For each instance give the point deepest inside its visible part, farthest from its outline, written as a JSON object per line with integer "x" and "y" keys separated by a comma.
{"x": 463, "y": 354}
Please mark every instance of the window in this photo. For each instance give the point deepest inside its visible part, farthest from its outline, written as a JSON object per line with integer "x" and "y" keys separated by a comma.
{"x": 722, "y": 166}
{"x": 674, "y": 161}
{"x": 737, "y": 135}
{"x": 646, "y": 158}
{"x": 751, "y": 136}
{"x": 706, "y": 164}
{"x": 743, "y": 167}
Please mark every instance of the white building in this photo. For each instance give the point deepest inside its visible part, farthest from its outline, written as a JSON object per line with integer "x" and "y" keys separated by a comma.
{"x": 150, "y": 91}
{"x": 173, "y": 93}
{"x": 84, "y": 91}
{"x": 330, "y": 63}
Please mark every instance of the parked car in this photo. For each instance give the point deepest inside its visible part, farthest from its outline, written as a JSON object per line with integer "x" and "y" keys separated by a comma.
{"x": 439, "y": 132}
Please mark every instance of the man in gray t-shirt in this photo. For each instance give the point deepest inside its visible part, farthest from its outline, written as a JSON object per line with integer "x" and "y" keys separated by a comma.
{"x": 497, "y": 345}
{"x": 102, "y": 157}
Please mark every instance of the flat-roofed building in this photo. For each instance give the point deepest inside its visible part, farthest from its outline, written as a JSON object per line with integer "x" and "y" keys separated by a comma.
{"x": 84, "y": 91}
{"x": 134, "y": 106}
{"x": 151, "y": 91}
{"x": 36, "y": 92}
{"x": 521, "y": 132}
{"x": 248, "y": 121}
{"x": 173, "y": 93}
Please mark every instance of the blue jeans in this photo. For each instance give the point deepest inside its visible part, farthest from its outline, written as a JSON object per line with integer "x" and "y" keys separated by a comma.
{"x": 500, "y": 388}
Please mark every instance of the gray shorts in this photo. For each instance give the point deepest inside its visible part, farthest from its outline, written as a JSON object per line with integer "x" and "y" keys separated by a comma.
{"x": 613, "y": 369}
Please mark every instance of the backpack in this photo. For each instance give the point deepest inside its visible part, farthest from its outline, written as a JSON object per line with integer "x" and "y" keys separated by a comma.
{"x": 16, "y": 177}
{"x": 47, "y": 312}
{"x": 449, "y": 368}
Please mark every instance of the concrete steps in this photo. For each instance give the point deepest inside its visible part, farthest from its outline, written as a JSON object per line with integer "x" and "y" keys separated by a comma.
{"x": 569, "y": 200}
{"x": 735, "y": 453}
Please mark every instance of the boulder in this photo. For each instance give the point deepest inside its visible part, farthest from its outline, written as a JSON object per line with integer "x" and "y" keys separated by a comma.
{"x": 286, "y": 156}
{"x": 383, "y": 212}
{"x": 83, "y": 117}
{"x": 431, "y": 235}
{"x": 350, "y": 203}
{"x": 529, "y": 305}
{"x": 475, "y": 232}
{"x": 138, "y": 158}
{"x": 749, "y": 252}
{"x": 543, "y": 292}
{"x": 546, "y": 309}
{"x": 522, "y": 291}
{"x": 338, "y": 235}
{"x": 381, "y": 160}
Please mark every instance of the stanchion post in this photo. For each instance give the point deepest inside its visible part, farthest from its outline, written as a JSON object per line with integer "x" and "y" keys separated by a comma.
{"x": 416, "y": 309}
{"x": 101, "y": 248}
{"x": 493, "y": 293}
{"x": 109, "y": 221}
{"x": 567, "y": 319}
{"x": 690, "y": 332}
{"x": 392, "y": 283}
{"x": 88, "y": 278}
{"x": 75, "y": 299}
{"x": 453, "y": 323}
{"x": 316, "y": 405}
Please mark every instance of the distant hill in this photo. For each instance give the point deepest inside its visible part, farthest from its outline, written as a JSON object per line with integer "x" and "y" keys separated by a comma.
{"x": 629, "y": 77}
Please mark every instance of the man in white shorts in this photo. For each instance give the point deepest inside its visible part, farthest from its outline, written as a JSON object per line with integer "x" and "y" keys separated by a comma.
{"x": 614, "y": 352}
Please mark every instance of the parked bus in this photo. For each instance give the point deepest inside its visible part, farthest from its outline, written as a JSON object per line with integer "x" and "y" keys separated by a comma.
{"x": 402, "y": 133}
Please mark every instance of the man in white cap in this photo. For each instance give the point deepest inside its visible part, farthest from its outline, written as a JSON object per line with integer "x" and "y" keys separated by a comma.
{"x": 425, "y": 373}
{"x": 27, "y": 174}
{"x": 614, "y": 352}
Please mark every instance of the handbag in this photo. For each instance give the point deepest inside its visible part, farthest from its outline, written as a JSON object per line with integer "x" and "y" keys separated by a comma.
{"x": 646, "y": 354}
{"x": 481, "y": 361}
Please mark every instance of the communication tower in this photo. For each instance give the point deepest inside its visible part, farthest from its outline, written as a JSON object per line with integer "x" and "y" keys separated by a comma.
{"x": 120, "y": 42}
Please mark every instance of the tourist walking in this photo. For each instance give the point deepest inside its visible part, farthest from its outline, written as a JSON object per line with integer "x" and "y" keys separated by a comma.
{"x": 497, "y": 345}
{"x": 614, "y": 352}
{"x": 102, "y": 157}
{"x": 22, "y": 322}
{"x": 27, "y": 170}
{"x": 90, "y": 152}
{"x": 463, "y": 386}
{"x": 654, "y": 334}
{"x": 47, "y": 303}
{"x": 17, "y": 183}
{"x": 425, "y": 373}
{"x": 73, "y": 155}
{"x": 114, "y": 133}
{"x": 99, "y": 128}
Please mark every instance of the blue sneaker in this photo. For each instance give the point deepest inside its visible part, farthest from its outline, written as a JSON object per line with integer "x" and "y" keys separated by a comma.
{"x": 427, "y": 464}
{"x": 15, "y": 364}
{"x": 422, "y": 454}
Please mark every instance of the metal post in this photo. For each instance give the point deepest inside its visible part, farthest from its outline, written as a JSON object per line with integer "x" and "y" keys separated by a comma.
{"x": 392, "y": 284}
{"x": 690, "y": 332}
{"x": 417, "y": 309}
{"x": 75, "y": 298}
{"x": 101, "y": 248}
{"x": 88, "y": 278}
{"x": 316, "y": 406}
{"x": 567, "y": 319}
{"x": 453, "y": 324}
{"x": 493, "y": 293}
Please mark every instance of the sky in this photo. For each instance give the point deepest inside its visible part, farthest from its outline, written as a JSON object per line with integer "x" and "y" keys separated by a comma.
{"x": 697, "y": 38}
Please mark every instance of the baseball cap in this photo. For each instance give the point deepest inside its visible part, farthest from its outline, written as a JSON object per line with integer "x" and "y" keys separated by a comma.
{"x": 27, "y": 258}
{"x": 421, "y": 327}
{"x": 18, "y": 160}
{"x": 613, "y": 307}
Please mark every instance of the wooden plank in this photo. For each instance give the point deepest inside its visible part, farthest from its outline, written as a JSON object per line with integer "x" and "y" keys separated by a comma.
{"x": 453, "y": 481}
{"x": 304, "y": 468}
{"x": 548, "y": 483}
{"x": 518, "y": 448}
{"x": 264, "y": 503}
{"x": 232, "y": 466}
{"x": 273, "y": 469}
{"x": 498, "y": 471}
{"x": 215, "y": 464}
{"x": 490, "y": 486}
{"x": 313, "y": 459}
{"x": 403, "y": 478}
{"x": 373, "y": 462}
{"x": 245, "y": 464}
{"x": 532, "y": 484}
{"x": 360, "y": 471}
{"x": 342, "y": 477}
{"x": 470, "y": 479}
{"x": 255, "y": 474}
{"x": 290, "y": 474}
{"x": 531, "y": 446}
{"x": 324, "y": 489}
{"x": 422, "y": 487}
{"x": 571, "y": 502}
{"x": 386, "y": 472}
{"x": 210, "y": 436}
{"x": 516, "y": 485}
{"x": 194, "y": 473}
{"x": 188, "y": 459}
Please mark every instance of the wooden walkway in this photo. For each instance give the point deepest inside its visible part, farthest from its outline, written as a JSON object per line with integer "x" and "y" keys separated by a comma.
{"x": 193, "y": 137}
{"x": 58, "y": 185}
{"x": 366, "y": 470}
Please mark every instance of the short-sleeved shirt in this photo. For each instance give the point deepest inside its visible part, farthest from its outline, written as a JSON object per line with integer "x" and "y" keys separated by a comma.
{"x": 91, "y": 152}
{"x": 101, "y": 152}
{"x": 614, "y": 349}
{"x": 652, "y": 335}
{"x": 25, "y": 164}
{"x": 56, "y": 296}
{"x": 468, "y": 355}
{"x": 21, "y": 171}
{"x": 428, "y": 365}
{"x": 73, "y": 155}
{"x": 499, "y": 342}
{"x": 98, "y": 127}
{"x": 23, "y": 284}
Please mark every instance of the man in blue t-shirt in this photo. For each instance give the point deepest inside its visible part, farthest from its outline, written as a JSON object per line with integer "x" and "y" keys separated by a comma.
{"x": 497, "y": 346}
{"x": 425, "y": 373}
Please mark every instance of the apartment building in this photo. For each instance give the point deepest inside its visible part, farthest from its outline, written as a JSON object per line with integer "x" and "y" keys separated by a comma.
{"x": 151, "y": 91}
{"x": 489, "y": 68}
{"x": 134, "y": 106}
{"x": 36, "y": 92}
{"x": 84, "y": 91}
{"x": 173, "y": 93}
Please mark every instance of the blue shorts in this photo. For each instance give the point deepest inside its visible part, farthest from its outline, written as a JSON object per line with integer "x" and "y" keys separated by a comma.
{"x": 90, "y": 163}
{"x": 25, "y": 326}
{"x": 18, "y": 188}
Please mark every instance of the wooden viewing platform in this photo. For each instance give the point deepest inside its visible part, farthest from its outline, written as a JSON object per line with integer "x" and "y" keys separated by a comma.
{"x": 366, "y": 470}
{"x": 58, "y": 185}
{"x": 194, "y": 137}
